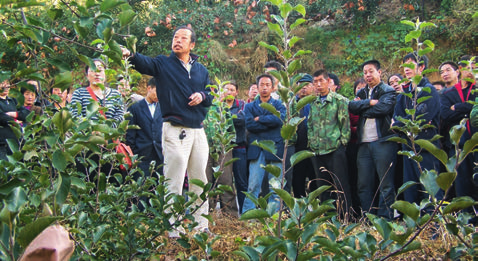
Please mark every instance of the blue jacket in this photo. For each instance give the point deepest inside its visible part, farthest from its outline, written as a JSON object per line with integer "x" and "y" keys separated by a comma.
{"x": 268, "y": 127}
{"x": 146, "y": 140}
{"x": 429, "y": 109}
{"x": 175, "y": 85}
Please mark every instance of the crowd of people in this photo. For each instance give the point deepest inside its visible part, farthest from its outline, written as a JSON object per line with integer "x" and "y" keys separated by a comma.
{"x": 349, "y": 138}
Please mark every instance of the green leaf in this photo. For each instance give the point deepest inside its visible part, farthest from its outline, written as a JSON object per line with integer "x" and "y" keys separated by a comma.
{"x": 287, "y": 131}
{"x": 410, "y": 23}
{"x": 312, "y": 215}
{"x": 304, "y": 101}
{"x": 131, "y": 43}
{"x": 126, "y": 17}
{"x": 469, "y": 146}
{"x": 407, "y": 208}
{"x": 99, "y": 231}
{"x": 276, "y": 29}
{"x": 54, "y": 13}
{"x": 273, "y": 169}
{"x": 86, "y": 21}
{"x": 406, "y": 186}
{"x": 294, "y": 66}
{"x": 108, "y": 33}
{"x": 426, "y": 24}
{"x": 300, "y": 8}
{"x": 250, "y": 253}
{"x": 434, "y": 150}
{"x": 413, "y": 35}
{"x": 63, "y": 188}
{"x": 445, "y": 180}
{"x": 59, "y": 160}
{"x": 457, "y": 131}
{"x": 82, "y": 32}
{"x": 285, "y": 10}
{"x": 297, "y": 23}
{"x": 8, "y": 187}
{"x": 315, "y": 194}
{"x": 102, "y": 27}
{"x": 286, "y": 197}
{"x": 415, "y": 245}
{"x": 33, "y": 229}
{"x": 270, "y": 108}
{"x": 429, "y": 44}
{"x": 16, "y": 199}
{"x": 254, "y": 214}
{"x": 458, "y": 204}
{"x": 300, "y": 156}
{"x": 428, "y": 179}
{"x": 425, "y": 51}
{"x": 398, "y": 140}
{"x": 382, "y": 226}
{"x": 267, "y": 145}
{"x": 107, "y": 5}
{"x": 269, "y": 47}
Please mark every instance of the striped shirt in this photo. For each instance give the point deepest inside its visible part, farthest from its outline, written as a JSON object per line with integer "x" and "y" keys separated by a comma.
{"x": 112, "y": 101}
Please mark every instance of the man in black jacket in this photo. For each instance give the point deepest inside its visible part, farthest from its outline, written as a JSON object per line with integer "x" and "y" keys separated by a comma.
{"x": 428, "y": 111}
{"x": 9, "y": 113}
{"x": 374, "y": 104}
{"x": 185, "y": 99}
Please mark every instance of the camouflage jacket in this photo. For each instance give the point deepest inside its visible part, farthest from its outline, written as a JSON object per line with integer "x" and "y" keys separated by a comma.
{"x": 328, "y": 124}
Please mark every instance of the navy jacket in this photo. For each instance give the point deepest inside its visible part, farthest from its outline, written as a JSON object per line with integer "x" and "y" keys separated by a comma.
{"x": 382, "y": 111}
{"x": 268, "y": 127}
{"x": 147, "y": 140}
{"x": 462, "y": 109}
{"x": 237, "y": 109}
{"x": 6, "y": 105}
{"x": 175, "y": 85}
{"x": 428, "y": 109}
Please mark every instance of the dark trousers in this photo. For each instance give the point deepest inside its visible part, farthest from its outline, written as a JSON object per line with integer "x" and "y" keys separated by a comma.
{"x": 302, "y": 171}
{"x": 331, "y": 169}
{"x": 146, "y": 162}
{"x": 376, "y": 158}
{"x": 241, "y": 174}
{"x": 416, "y": 193}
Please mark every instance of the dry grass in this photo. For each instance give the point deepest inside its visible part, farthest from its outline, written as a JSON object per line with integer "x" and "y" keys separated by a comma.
{"x": 234, "y": 233}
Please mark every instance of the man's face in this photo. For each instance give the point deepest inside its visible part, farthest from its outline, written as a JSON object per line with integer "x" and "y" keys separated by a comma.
{"x": 306, "y": 90}
{"x": 371, "y": 75}
{"x": 448, "y": 74}
{"x": 360, "y": 86}
{"x": 332, "y": 86}
{"x": 4, "y": 88}
{"x": 29, "y": 98}
{"x": 265, "y": 87}
{"x": 467, "y": 73}
{"x": 230, "y": 91}
{"x": 152, "y": 96}
{"x": 394, "y": 82}
{"x": 97, "y": 76}
{"x": 182, "y": 42}
{"x": 276, "y": 82}
{"x": 322, "y": 85}
{"x": 253, "y": 91}
{"x": 61, "y": 94}
{"x": 409, "y": 72}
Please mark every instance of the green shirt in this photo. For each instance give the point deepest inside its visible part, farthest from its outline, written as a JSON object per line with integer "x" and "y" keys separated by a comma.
{"x": 328, "y": 124}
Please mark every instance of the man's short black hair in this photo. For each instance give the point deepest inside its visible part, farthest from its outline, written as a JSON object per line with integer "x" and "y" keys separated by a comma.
{"x": 375, "y": 63}
{"x": 258, "y": 78}
{"x": 234, "y": 83}
{"x": 335, "y": 78}
{"x": 193, "y": 34}
{"x": 322, "y": 72}
{"x": 95, "y": 60}
{"x": 451, "y": 63}
{"x": 443, "y": 85}
{"x": 418, "y": 59}
{"x": 395, "y": 74}
{"x": 152, "y": 82}
{"x": 274, "y": 64}
{"x": 467, "y": 58}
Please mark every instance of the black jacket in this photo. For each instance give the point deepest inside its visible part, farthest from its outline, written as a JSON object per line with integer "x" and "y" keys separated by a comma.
{"x": 382, "y": 112}
{"x": 7, "y": 105}
{"x": 462, "y": 109}
{"x": 428, "y": 109}
{"x": 175, "y": 85}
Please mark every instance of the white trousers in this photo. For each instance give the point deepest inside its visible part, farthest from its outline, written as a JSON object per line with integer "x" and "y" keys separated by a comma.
{"x": 187, "y": 154}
